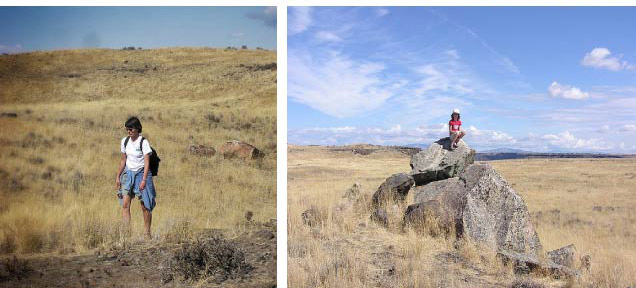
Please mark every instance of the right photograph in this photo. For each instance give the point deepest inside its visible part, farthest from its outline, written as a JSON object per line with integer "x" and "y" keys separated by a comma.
{"x": 461, "y": 147}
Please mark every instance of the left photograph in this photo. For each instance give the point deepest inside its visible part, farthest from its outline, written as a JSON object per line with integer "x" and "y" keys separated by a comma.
{"x": 138, "y": 146}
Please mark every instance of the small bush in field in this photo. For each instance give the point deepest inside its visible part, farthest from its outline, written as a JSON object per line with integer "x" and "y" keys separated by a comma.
{"x": 213, "y": 259}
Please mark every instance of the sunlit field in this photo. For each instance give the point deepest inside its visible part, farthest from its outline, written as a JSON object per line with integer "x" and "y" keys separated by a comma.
{"x": 586, "y": 202}
{"x": 59, "y": 155}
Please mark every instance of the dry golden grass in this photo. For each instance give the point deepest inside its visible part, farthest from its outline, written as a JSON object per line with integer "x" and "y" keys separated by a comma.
{"x": 349, "y": 250}
{"x": 588, "y": 202}
{"x": 58, "y": 158}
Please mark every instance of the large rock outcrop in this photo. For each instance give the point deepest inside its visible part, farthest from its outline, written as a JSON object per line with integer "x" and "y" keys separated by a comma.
{"x": 438, "y": 162}
{"x": 479, "y": 205}
{"x": 455, "y": 197}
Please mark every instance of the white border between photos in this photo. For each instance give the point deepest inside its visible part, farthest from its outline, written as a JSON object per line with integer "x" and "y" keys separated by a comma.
{"x": 281, "y": 147}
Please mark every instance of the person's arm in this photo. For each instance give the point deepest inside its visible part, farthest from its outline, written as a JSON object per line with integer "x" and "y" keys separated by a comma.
{"x": 142, "y": 185}
{"x": 450, "y": 127}
{"x": 146, "y": 150}
{"x": 122, "y": 163}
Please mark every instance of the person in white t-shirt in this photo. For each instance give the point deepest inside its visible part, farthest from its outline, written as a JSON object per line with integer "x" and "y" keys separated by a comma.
{"x": 133, "y": 176}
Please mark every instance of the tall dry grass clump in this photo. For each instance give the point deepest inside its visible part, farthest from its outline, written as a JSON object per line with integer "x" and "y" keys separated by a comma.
{"x": 59, "y": 156}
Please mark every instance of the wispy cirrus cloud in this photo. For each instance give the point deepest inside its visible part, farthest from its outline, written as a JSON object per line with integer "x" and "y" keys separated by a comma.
{"x": 298, "y": 19}
{"x": 327, "y": 36}
{"x": 335, "y": 84}
{"x": 381, "y": 12}
{"x": 421, "y": 74}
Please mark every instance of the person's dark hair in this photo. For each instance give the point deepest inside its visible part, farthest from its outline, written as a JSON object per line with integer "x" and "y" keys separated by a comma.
{"x": 459, "y": 116}
{"x": 133, "y": 122}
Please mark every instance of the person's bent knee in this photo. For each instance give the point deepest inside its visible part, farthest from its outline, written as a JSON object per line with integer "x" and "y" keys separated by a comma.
{"x": 125, "y": 203}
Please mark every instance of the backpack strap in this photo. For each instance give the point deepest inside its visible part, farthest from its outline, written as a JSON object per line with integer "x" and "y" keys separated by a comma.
{"x": 126, "y": 142}
{"x": 140, "y": 145}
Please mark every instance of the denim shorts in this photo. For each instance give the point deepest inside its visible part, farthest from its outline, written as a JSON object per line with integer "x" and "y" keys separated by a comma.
{"x": 130, "y": 181}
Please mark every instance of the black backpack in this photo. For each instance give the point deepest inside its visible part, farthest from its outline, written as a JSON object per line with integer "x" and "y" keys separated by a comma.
{"x": 154, "y": 158}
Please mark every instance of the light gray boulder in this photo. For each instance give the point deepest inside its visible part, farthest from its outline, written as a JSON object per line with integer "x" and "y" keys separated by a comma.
{"x": 481, "y": 206}
{"x": 438, "y": 162}
{"x": 495, "y": 215}
{"x": 563, "y": 256}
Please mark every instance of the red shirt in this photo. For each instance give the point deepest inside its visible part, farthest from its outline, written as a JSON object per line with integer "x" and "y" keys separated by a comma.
{"x": 454, "y": 125}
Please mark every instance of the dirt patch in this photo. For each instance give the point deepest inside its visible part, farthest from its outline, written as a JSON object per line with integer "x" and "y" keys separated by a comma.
{"x": 246, "y": 260}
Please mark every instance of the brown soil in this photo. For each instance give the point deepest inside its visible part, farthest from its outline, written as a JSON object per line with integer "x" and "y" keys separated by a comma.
{"x": 140, "y": 264}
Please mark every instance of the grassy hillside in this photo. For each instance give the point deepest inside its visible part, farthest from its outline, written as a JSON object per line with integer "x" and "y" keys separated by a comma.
{"x": 587, "y": 202}
{"x": 58, "y": 157}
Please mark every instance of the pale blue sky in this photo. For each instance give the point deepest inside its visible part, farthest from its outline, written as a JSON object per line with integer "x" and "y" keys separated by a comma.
{"x": 53, "y": 28}
{"x": 534, "y": 78}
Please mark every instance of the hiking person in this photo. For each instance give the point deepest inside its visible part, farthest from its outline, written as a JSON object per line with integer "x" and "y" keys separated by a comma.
{"x": 454, "y": 129}
{"x": 133, "y": 176}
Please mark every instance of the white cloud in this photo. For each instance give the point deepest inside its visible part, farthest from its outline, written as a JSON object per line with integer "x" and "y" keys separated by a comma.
{"x": 381, "y": 12}
{"x": 335, "y": 84}
{"x": 628, "y": 128}
{"x": 397, "y": 135}
{"x": 601, "y": 58}
{"x": 566, "y": 91}
{"x": 567, "y": 140}
{"x": 299, "y": 19}
{"x": 326, "y": 36}
{"x": 477, "y": 138}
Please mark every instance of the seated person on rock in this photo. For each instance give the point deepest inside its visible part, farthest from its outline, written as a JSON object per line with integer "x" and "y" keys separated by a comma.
{"x": 454, "y": 128}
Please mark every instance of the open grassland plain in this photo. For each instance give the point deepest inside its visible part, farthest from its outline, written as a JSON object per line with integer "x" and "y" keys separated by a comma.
{"x": 61, "y": 125}
{"x": 587, "y": 202}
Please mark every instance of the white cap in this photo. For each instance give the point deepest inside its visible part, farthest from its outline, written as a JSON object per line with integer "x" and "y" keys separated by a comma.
{"x": 455, "y": 111}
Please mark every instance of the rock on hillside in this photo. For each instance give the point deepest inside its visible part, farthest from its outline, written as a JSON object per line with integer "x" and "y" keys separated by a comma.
{"x": 454, "y": 197}
{"x": 438, "y": 162}
{"x": 240, "y": 149}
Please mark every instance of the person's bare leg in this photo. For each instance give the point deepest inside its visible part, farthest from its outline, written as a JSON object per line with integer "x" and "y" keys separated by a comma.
{"x": 125, "y": 214}
{"x": 459, "y": 137}
{"x": 147, "y": 220}
{"x": 453, "y": 136}
{"x": 125, "y": 210}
